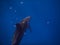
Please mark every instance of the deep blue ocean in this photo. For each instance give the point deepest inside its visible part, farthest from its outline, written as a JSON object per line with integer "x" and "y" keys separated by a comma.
{"x": 45, "y": 21}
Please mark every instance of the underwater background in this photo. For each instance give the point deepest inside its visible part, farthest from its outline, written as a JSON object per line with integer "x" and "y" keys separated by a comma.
{"x": 45, "y": 21}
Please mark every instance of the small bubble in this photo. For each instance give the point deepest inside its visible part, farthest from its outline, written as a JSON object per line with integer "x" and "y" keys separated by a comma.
{"x": 48, "y": 22}
{"x": 10, "y": 7}
{"x": 21, "y": 2}
{"x": 14, "y": 25}
{"x": 15, "y": 11}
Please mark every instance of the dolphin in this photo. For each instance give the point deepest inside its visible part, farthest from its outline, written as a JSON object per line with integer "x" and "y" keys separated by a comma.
{"x": 20, "y": 29}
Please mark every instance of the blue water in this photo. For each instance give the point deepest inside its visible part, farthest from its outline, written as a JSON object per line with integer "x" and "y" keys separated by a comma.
{"x": 45, "y": 21}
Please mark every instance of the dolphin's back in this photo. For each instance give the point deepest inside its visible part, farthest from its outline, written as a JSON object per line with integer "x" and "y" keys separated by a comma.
{"x": 17, "y": 35}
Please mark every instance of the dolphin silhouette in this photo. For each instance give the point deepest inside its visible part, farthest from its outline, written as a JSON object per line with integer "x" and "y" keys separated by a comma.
{"x": 20, "y": 29}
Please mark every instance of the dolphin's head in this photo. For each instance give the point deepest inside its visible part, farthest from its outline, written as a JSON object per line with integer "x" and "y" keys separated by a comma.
{"x": 27, "y": 19}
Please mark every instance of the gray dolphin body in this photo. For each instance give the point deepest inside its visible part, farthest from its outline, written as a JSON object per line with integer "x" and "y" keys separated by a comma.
{"x": 20, "y": 29}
